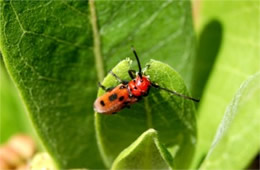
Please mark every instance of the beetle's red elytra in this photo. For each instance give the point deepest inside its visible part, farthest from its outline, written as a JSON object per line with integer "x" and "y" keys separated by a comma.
{"x": 128, "y": 92}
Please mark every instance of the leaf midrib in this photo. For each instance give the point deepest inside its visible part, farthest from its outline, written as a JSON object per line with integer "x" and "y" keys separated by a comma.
{"x": 97, "y": 42}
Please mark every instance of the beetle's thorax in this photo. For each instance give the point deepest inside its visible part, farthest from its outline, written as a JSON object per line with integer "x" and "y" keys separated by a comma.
{"x": 139, "y": 86}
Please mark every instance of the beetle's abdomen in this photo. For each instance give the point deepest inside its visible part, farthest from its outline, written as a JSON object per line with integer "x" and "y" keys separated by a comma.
{"x": 114, "y": 100}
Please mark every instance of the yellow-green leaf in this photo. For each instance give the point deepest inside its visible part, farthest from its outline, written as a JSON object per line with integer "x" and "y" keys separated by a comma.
{"x": 144, "y": 153}
{"x": 237, "y": 139}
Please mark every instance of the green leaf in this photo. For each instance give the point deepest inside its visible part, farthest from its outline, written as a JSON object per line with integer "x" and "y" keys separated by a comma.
{"x": 48, "y": 53}
{"x": 236, "y": 61}
{"x": 172, "y": 116}
{"x": 57, "y": 50}
{"x": 13, "y": 116}
{"x": 208, "y": 48}
{"x": 144, "y": 153}
{"x": 160, "y": 30}
{"x": 234, "y": 147}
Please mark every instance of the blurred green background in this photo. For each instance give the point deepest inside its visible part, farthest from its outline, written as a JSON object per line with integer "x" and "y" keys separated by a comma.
{"x": 13, "y": 116}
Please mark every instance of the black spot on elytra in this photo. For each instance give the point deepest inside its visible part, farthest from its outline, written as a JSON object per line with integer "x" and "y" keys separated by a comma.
{"x": 121, "y": 98}
{"x": 102, "y": 103}
{"x": 113, "y": 97}
{"x": 135, "y": 88}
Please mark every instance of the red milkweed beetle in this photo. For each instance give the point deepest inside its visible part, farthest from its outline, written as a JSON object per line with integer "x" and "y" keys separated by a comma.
{"x": 128, "y": 92}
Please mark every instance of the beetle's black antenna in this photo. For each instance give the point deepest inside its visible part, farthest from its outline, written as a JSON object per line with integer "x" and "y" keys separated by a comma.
{"x": 138, "y": 62}
{"x": 174, "y": 92}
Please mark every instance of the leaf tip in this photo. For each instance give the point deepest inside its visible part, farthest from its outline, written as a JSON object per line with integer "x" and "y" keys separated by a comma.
{"x": 150, "y": 133}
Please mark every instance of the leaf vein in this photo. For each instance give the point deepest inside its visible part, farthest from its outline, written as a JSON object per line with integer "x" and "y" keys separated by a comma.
{"x": 74, "y": 9}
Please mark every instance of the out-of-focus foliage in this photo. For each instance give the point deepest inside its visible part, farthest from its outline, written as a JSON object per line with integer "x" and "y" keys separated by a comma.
{"x": 237, "y": 25}
{"x": 13, "y": 118}
{"x": 234, "y": 147}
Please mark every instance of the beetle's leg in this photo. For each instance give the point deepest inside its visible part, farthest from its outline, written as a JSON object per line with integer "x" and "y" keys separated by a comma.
{"x": 127, "y": 105}
{"x": 125, "y": 82}
{"x": 104, "y": 88}
{"x": 174, "y": 92}
{"x": 132, "y": 73}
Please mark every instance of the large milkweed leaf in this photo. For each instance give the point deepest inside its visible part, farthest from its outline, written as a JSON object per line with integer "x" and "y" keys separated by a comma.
{"x": 172, "y": 116}
{"x": 234, "y": 147}
{"x": 50, "y": 48}
{"x": 237, "y": 59}
{"x": 48, "y": 54}
{"x": 145, "y": 153}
